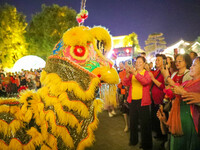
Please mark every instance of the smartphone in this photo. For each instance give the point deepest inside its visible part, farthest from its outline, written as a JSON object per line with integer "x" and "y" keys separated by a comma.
{"x": 129, "y": 63}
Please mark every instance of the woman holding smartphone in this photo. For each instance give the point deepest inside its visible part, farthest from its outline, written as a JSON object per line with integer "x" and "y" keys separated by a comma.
{"x": 139, "y": 98}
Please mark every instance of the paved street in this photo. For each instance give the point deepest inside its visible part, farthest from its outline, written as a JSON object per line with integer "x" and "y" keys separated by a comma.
{"x": 110, "y": 134}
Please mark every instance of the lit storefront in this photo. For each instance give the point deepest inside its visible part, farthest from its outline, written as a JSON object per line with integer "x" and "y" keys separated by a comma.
{"x": 123, "y": 53}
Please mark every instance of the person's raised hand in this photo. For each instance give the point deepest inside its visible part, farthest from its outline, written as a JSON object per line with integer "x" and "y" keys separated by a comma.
{"x": 161, "y": 115}
{"x": 133, "y": 70}
{"x": 179, "y": 90}
{"x": 191, "y": 98}
{"x": 165, "y": 72}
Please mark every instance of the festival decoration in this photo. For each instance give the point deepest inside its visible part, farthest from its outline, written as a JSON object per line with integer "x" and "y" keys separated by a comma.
{"x": 79, "y": 19}
{"x": 84, "y": 14}
{"x": 62, "y": 114}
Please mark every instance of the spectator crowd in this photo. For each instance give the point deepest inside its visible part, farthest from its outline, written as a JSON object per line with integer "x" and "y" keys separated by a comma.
{"x": 12, "y": 83}
{"x": 164, "y": 99}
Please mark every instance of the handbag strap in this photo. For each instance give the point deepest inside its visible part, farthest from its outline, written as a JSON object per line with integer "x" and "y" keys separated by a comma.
{"x": 155, "y": 78}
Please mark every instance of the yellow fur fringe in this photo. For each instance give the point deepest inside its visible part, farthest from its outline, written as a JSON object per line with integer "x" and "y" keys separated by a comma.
{"x": 36, "y": 107}
{"x": 37, "y": 138}
{"x": 15, "y": 144}
{"x": 74, "y": 105}
{"x": 52, "y": 142}
{"x": 12, "y": 127}
{"x": 57, "y": 86}
{"x": 78, "y": 106}
{"x": 59, "y": 130}
{"x": 64, "y": 118}
{"x": 88, "y": 141}
{"x": 8, "y": 129}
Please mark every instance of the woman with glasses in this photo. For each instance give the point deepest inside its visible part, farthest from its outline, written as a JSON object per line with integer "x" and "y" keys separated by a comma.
{"x": 183, "y": 63}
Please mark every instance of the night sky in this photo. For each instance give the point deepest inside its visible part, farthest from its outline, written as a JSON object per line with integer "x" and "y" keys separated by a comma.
{"x": 176, "y": 19}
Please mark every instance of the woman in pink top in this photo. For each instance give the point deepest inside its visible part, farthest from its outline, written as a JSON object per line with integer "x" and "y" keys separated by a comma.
{"x": 139, "y": 98}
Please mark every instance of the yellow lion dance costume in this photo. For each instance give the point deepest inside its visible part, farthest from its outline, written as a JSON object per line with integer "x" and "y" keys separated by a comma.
{"x": 63, "y": 113}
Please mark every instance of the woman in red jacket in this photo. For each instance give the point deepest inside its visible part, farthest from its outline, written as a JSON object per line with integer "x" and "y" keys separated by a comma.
{"x": 139, "y": 98}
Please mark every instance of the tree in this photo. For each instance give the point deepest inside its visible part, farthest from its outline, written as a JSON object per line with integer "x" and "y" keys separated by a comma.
{"x": 47, "y": 27}
{"x": 132, "y": 40}
{"x": 12, "y": 40}
{"x": 155, "y": 42}
{"x": 198, "y": 39}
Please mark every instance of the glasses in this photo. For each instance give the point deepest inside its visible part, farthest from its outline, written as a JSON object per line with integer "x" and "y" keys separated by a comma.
{"x": 179, "y": 61}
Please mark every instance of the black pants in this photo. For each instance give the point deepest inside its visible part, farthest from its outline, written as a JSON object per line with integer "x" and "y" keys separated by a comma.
{"x": 140, "y": 114}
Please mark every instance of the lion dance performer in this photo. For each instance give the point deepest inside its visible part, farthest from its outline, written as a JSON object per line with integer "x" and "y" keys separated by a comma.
{"x": 63, "y": 113}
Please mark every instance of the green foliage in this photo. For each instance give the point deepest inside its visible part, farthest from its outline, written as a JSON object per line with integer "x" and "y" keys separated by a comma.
{"x": 198, "y": 39}
{"x": 155, "y": 42}
{"x": 47, "y": 27}
{"x": 132, "y": 40}
{"x": 12, "y": 41}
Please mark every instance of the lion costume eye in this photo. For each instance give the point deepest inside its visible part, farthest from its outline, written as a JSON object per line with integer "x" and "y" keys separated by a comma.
{"x": 79, "y": 51}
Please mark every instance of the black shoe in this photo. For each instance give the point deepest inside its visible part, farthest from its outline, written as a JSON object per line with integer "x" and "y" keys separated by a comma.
{"x": 132, "y": 144}
{"x": 160, "y": 138}
{"x": 147, "y": 148}
{"x": 140, "y": 146}
{"x": 162, "y": 146}
{"x": 144, "y": 148}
